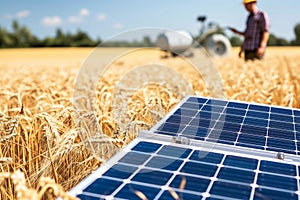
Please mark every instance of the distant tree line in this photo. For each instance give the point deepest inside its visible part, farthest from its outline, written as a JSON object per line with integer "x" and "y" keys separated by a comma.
{"x": 21, "y": 36}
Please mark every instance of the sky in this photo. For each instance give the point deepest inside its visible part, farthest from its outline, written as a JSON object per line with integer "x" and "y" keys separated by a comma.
{"x": 105, "y": 19}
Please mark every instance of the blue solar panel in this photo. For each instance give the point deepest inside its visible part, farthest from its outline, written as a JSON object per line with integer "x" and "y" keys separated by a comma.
{"x": 241, "y": 163}
{"x": 164, "y": 168}
{"x": 242, "y": 124}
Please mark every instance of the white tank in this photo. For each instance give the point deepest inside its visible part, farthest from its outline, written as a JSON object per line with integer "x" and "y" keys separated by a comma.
{"x": 174, "y": 41}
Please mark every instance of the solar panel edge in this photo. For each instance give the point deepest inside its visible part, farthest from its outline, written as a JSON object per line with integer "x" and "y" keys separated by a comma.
{"x": 219, "y": 147}
{"x": 246, "y": 102}
{"x": 270, "y": 105}
{"x": 169, "y": 114}
{"x": 101, "y": 169}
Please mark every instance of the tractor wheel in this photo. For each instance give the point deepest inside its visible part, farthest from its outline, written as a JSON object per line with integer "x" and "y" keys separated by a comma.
{"x": 217, "y": 45}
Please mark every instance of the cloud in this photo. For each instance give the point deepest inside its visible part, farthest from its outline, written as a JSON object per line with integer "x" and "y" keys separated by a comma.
{"x": 23, "y": 14}
{"x": 101, "y": 17}
{"x": 56, "y": 20}
{"x": 118, "y": 26}
{"x": 20, "y": 14}
{"x": 52, "y": 21}
{"x": 80, "y": 17}
{"x": 74, "y": 19}
{"x": 84, "y": 12}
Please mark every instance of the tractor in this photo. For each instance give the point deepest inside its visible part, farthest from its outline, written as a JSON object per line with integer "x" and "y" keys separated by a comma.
{"x": 182, "y": 43}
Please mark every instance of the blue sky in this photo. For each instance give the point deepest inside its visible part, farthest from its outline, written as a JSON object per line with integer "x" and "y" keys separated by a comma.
{"x": 104, "y": 19}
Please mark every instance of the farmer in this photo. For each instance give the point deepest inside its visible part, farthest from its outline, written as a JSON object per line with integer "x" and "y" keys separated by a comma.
{"x": 256, "y": 34}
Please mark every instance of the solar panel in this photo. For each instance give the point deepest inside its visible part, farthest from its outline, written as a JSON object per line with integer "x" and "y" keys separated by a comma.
{"x": 171, "y": 161}
{"x": 235, "y": 123}
{"x": 158, "y": 168}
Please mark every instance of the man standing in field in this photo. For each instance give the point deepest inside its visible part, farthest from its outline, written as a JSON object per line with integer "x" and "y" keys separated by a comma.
{"x": 256, "y": 34}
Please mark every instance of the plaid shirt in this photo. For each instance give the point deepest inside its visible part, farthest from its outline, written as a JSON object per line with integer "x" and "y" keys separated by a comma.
{"x": 256, "y": 24}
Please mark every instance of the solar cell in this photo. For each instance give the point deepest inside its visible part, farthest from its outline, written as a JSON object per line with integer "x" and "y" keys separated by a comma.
{"x": 241, "y": 163}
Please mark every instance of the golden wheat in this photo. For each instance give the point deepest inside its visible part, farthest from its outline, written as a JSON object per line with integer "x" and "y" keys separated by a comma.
{"x": 38, "y": 135}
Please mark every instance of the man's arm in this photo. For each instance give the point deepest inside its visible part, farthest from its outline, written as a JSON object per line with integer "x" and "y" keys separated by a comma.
{"x": 236, "y": 31}
{"x": 263, "y": 43}
{"x": 265, "y": 27}
{"x": 241, "y": 50}
{"x": 239, "y": 33}
{"x": 264, "y": 39}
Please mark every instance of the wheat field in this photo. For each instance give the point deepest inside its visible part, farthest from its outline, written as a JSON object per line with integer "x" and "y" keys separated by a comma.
{"x": 42, "y": 154}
